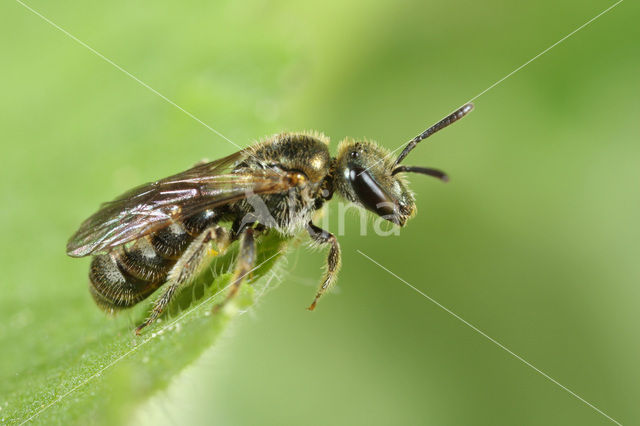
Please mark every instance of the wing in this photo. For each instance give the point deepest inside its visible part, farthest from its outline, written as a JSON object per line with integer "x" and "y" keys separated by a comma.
{"x": 153, "y": 206}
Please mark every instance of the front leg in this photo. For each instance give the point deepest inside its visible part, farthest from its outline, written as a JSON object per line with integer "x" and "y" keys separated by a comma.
{"x": 321, "y": 236}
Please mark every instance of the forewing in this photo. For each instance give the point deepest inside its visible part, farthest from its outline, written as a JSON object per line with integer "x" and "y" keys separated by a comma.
{"x": 152, "y": 206}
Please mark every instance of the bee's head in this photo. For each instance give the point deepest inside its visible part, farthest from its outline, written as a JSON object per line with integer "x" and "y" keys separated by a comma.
{"x": 364, "y": 176}
{"x": 368, "y": 176}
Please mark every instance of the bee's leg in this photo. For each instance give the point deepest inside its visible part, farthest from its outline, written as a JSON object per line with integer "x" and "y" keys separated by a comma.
{"x": 244, "y": 265}
{"x": 321, "y": 236}
{"x": 190, "y": 264}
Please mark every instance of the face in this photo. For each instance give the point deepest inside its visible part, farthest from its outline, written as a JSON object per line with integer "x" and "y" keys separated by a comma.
{"x": 364, "y": 176}
{"x": 367, "y": 175}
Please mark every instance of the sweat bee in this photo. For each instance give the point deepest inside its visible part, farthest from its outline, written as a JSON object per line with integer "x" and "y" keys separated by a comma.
{"x": 163, "y": 233}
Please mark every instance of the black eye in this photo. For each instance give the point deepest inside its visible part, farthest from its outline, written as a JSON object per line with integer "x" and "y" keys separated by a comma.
{"x": 354, "y": 154}
{"x": 369, "y": 193}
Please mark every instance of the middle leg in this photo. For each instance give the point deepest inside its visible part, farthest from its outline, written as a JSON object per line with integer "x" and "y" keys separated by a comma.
{"x": 245, "y": 264}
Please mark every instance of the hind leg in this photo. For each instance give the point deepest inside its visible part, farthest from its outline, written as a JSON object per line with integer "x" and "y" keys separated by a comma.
{"x": 245, "y": 264}
{"x": 190, "y": 264}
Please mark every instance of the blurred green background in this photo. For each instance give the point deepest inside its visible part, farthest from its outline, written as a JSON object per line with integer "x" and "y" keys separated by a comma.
{"x": 535, "y": 240}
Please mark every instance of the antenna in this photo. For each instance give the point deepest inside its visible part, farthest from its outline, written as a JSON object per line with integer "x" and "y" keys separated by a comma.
{"x": 450, "y": 119}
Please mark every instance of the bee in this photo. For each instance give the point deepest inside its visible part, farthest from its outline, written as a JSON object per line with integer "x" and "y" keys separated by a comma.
{"x": 163, "y": 233}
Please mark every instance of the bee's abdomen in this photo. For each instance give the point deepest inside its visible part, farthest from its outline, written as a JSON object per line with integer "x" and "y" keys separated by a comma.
{"x": 112, "y": 287}
{"x": 143, "y": 262}
{"x": 127, "y": 275}
{"x": 171, "y": 241}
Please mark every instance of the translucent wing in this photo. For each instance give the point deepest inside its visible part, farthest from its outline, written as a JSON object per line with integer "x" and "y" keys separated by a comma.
{"x": 153, "y": 206}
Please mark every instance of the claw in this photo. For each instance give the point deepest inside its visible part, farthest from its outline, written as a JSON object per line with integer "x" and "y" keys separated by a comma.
{"x": 139, "y": 328}
{"x": 313, "y": 305}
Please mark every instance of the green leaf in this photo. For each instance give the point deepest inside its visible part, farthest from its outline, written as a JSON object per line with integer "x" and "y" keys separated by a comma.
{"x": 101, "y": 379}
{"x": 82, "y": 132}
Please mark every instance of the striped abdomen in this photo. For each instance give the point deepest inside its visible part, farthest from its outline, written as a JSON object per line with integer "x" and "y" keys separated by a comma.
{"x": 125, "y": 276}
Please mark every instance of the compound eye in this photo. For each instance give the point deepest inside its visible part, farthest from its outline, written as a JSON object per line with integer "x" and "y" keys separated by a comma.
{"x": 369, "y": 193}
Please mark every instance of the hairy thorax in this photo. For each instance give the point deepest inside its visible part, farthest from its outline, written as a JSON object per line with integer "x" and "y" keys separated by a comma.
{"x": 289, "y": 212}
